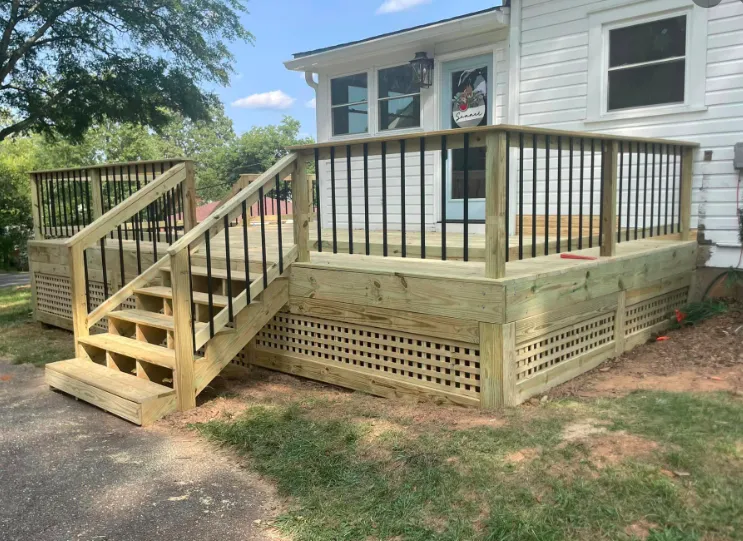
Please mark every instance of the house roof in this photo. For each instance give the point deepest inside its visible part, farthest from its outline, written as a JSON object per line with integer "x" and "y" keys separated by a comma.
{"x": 303, "y": 61}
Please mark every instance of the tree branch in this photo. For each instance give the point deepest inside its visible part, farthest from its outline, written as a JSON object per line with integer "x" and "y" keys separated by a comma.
{"x": 12, "y": 21}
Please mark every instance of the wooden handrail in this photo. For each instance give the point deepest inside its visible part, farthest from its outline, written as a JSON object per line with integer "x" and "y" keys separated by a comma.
{"x": 129, "y": 207}
{"x": 482, "y": 131}
{"x": 111, "y": 164}
{"x": 232, "y": 208}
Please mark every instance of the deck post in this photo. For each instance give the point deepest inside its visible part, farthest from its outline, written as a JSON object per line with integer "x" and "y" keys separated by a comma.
{"x": 301, "y": 209}
{"x": 96, "y": 192}
{"x": 189, "y": 198}
{"x": 687, "y": 172}
{"x": 36, "y": 207}
{"x": 497, "y": 364}
{"x": 78, "y": 296}
{"x": 496, "y": 242}
{"x": 184, "y": 379}
{"x": 619, "y": 322}
{"x": 609, "y": 161}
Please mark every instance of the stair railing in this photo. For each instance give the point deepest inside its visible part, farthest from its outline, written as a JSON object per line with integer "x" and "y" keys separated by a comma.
{"x": 149, "y": 220}
{"x": 234, "y": 212}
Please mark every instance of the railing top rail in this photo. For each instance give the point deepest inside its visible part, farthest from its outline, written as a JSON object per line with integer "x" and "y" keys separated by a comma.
{"x": 216, "y": 217}
{"x": 109, "y": 165}
{"x": 484, "y": 130}
{"x": 128, "y": 207}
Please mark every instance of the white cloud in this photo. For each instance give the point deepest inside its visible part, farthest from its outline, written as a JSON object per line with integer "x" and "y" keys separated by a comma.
{"x": 312, "y": 104}
{"x": 394, "y": 6}
{"x": 276, "y": 99}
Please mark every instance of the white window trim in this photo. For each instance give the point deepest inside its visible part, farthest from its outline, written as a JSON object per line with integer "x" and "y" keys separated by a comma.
{"x": 601, "y": 22}
{"x": 389, "y": 98}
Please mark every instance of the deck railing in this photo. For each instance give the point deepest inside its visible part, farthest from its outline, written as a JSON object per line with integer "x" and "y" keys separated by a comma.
{"x": 67, "y": 200}
{"x": 537, "y": 192}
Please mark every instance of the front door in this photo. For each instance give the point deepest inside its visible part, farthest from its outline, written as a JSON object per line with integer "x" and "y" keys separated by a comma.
{"x": 467, "y": 102}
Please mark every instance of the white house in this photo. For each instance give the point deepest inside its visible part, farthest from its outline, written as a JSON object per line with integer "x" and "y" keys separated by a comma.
{"x": 646, "y": 68}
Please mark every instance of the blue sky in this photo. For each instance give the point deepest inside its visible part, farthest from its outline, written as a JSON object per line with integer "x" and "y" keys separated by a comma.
{"x": 283, "y": 27}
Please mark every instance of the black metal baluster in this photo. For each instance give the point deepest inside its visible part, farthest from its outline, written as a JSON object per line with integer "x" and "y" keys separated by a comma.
{"x": 40, "y": 199}
{"x": 61, "y": 188}
{"x": 123, "y": 196}
{"x": 87, "y": 280}
{"x": 444, "y": 158}
{"x": 619, "y": 195}
{"x": 103, "y": 267}
{"x": 673, "y": 192}
{"x": 423, "y": 196}
{"x": 593, "y": 188}
{"x": 209, "y": 285}
{"x": 547, "y": 196}
{"x": 154, "y": 233}
{"x": 108, "y": 196}
{"x": 246, "y": 252}
{"x": 601, "y": 193}
{"x": 652, "y": 192}
{"x": 668, "y": 182}
{"x": 637, "y": 192}
{"x": 176, "y": 209}
{"x": 138, "y": 225}
{"x": 50, "y": 184}
{"x": 580, "y": 194}
{"x": 332, "y": 199}
{"x": 570, "y": 197}
{"x": 75, "y": 198}
{"x": 350, "y": 199}
{"x": 629, "y": 190}
{"x": 521, "y": 196}
{"x": 466, "y": 167}
{"x": 534, "y": 196}
{"x": 262, "y": 210}
{"x": 228, "y": 264}
{"x": 279, "y": 232}
{"x": 508, "y": 196}
{"x": 190, "y": 291}
{"x": 384, "y": 198}
{"x": 318, "y": 216}
{"x": 366, "y": 198}
{"x": 402, "y": 197}
{"x": 559, "y": 194}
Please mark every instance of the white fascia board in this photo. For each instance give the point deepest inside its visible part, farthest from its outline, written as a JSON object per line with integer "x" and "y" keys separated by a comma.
{"x": 494, "y": 20}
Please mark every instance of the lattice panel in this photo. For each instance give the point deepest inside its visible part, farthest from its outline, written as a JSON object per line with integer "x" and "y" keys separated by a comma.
{"x": 560, "y": 346}
{"x": 53, "y": 295}
{"x": 646, "y": 314}
{"x": 450, "y": 366}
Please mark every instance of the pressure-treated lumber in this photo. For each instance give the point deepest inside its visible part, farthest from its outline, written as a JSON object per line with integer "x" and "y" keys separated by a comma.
{"x": 134, "y": 349}
{"x": 78, "y": 296}
{"x": 496, "y": 185}
{"x": 189, "y": 198}
{"x": 301, "y": 208}
{"x": 687, "y": 175}
{"x": 35, "y": 208}
{"x": 609, "y": 160}
{"x": 497, "y": 365}
{"x": 149, "y": 319}
{"x": 219, "y": 301}
{"x": 183, "y": 378}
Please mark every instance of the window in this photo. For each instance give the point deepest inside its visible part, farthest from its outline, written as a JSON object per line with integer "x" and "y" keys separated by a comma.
{"x": 349, "y": 102}
{"x": 647, "y": 64}
{"x": 399, "y": 99}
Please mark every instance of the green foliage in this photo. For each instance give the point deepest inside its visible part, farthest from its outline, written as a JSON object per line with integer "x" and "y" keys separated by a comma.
{"x": 67, "y": 65}
{"x": 696, "y": 312}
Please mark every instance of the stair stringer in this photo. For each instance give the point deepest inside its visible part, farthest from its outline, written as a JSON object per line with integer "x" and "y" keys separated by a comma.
{"x": 225, "y": 346}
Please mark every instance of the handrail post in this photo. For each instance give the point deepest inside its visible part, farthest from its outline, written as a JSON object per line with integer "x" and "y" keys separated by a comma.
{"x": 184, "y": 375}
{"x": 36, "y": 207}
{"x": 687, "y": 173}
{"x": 78, "y": 294}
{"x": 96, "y": 192}
{"x": 189, "y": 210}
{"x": 496, "y": 242}
{"x": 609, "y": 161}
{"x": 301, "y": 209}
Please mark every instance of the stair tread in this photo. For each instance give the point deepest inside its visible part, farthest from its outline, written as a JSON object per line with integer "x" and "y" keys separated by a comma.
{"x": 132, "y": 348}
{"x": 151, "y": 319}
{"x": 221, "y": 274}
{"x": 167, "y": 293}
{"x": 121, "y": 384}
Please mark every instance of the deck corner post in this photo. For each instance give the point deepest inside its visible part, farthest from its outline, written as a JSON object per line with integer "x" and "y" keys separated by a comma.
{"x": 609, "y": 161}
{"x": 687, "y": 174}
{"x": 301, "y": 208}
{"x": 96, "y": 192}
{"x": 496, "y": 242}
{"x": 78, "y": 296}
{"x": 36, "y": 207}
{"x": 184, "y": 379}
{"x": 619, "y": 322}
{"x": 189, "y": 196}
{"x": 497, "y": 365}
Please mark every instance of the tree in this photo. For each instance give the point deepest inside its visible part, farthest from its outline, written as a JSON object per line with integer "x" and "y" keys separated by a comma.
{"x": 67, "y": 65}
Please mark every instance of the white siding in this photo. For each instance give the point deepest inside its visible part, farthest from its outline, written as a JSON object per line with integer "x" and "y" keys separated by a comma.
{"x": 554, "y": 86}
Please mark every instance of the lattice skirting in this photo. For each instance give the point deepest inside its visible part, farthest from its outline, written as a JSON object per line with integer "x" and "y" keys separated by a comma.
{"x": 445, "y": 365}
{"x": 647, "y": 314}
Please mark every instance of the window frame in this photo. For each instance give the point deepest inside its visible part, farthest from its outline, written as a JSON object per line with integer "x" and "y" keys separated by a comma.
{"x": 601, "y": 23}
{"x": 368, "y": 103}
{"x": 379, "y": 99}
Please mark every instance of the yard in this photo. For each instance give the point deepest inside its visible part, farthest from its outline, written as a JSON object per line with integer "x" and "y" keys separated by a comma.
{"x": 649, "y": 446}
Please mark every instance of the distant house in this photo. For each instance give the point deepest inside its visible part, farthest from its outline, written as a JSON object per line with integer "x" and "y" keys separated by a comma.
{"x": 650, "y": 68}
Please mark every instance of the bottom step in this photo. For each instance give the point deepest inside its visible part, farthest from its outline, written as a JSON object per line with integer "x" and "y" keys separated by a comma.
{"x": 134, "y": 399}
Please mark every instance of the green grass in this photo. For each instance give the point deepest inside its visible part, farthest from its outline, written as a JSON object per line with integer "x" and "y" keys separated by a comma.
{"x": 433, "y": 482}
{"x": 24, "y": 341}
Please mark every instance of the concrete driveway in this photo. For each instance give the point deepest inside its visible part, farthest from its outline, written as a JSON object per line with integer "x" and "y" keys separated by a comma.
{"x": 69, "y": 471}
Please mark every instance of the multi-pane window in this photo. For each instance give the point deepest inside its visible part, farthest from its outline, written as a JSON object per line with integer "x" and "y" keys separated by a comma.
{"x": 647, "y": 64}
{"x": 349, "y": 101}
{"x": 399, "y": 99}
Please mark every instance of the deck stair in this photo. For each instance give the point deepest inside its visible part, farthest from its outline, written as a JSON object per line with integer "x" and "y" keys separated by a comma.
{"x": 195, "y": 309}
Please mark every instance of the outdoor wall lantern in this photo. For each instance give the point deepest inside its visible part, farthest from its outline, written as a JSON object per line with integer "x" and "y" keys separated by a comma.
{"x": 422, "y": 69}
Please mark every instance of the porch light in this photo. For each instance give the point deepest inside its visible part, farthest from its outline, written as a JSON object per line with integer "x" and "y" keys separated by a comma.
{"x": 422, "y": 69}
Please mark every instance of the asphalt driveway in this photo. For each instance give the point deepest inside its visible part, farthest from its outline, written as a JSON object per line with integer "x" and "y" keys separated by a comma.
{"x": 69, "y": 471}
{"x": 14, "y": 279}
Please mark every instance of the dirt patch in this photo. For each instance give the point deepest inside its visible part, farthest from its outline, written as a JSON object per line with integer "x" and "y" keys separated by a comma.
{"x": 705, "y": 358}
{"x": 582, "y": 430}
{"x": 613, "y": 448}
{"x": 640, "y": 529}
{"x": 523, "y": 456}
